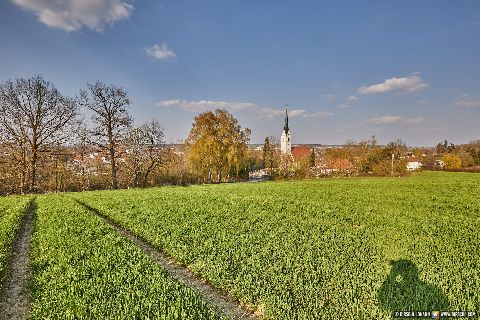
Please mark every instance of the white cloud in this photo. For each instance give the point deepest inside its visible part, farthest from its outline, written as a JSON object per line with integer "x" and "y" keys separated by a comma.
{"x": 72, "y": 15}
{"x": 352, "y": 98}
{"x": 257, "y": 111}
{"x": 269, "y": 113}
{"x": 296, "y": 112}
{"x": 160, "y": 52}
{"x": 395, "y": 119}
{"x": 410, "y": 84}
{"x": 466, "y": 101}
{"x": 204, "y": 105}
{"x": 320, "y": 114}
{"x": 343, "y": 106}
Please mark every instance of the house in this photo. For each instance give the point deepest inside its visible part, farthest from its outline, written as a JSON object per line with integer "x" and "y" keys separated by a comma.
{"x": 413, "y": 163}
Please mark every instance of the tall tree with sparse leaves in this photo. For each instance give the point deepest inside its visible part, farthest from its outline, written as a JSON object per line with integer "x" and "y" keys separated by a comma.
{"x": 111, "y": 119}
{"x": 145, "y": 147}
{"x": 33, "y": 116}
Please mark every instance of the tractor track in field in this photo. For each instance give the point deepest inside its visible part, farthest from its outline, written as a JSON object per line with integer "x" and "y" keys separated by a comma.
{"x": 224, "y": 304}
{"x": 15, "y": 299}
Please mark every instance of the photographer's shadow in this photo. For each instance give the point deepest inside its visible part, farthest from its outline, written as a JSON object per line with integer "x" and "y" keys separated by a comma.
{"x": 404, "y": 291}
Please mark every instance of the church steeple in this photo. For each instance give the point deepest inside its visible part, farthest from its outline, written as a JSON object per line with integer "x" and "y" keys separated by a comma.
{"x": 285, "y": 127}
{"x": 286, "y": 139}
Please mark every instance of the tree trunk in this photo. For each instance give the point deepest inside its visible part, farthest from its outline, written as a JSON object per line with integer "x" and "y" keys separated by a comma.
{"x": 114, "y": 168}
{"x": 33, "y": 171}
{"x": 111, "y": 149}
{"x": 147, "y": 174}
{"x": 24, "y": 174}
{"x": 210, "y": 177}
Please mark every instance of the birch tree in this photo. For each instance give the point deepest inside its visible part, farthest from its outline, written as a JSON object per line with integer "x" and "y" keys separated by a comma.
{"x": 217, "y": 144}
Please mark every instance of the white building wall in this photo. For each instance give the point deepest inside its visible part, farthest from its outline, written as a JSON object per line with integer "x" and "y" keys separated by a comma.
{"x": 413, "y": 165}
{"x": 286, "y": 143}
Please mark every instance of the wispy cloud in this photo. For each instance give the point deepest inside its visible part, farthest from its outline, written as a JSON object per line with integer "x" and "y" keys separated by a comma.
{"x": 320, "y": 114}
{"x": 343, "y": 106}
{"x": 466, "y": 101}
{"x": 72, "y": 15}
{"x": 396, "y": 120}
{"x": 204, "y": 105}
{"x": 352, "y": 98}
{"x": 160, "y": 52}
{"x": 246, "y": 107}
{"x": 410, "y": 84}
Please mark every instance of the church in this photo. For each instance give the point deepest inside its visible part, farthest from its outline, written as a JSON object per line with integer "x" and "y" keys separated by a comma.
{"x": 286, "y": 139}
{"x": 293, "y": 153}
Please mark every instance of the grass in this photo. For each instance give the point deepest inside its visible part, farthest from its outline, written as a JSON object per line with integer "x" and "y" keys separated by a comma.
{"x": 330, "y": 248}
{"x": 82, "y": 269}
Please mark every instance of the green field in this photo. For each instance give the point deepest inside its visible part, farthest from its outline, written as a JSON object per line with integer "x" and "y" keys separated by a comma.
{"x": 331, "y": 248}
{"x": 345, "y": 248}
{"x": 82, "y": 269}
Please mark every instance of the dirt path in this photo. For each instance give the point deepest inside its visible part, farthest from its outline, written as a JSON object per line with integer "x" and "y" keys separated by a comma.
{"x": 15, "y": 302}
{"x": 225, "y": 305}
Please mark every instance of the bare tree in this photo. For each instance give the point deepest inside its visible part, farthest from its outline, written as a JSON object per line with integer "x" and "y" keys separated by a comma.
{"x": 33, "y": 115}
{"x": 146, "y": 151}
{"x": 111, "y": 119}
{"x": 81, "y": 143}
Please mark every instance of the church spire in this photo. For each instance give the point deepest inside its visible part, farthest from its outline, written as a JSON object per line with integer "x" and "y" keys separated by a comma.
{"x": 286, "y": 138}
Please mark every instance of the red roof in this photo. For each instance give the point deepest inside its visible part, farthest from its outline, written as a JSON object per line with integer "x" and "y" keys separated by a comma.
{"x": 301, "y": 151}
{"x": 413, "y": 159}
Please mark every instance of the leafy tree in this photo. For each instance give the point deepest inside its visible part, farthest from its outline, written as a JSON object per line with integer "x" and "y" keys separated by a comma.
{"x": 379, "y": 159}
{"x": 217, "y": 144}
{"x": 269, "y": 154}
{"x": 266, "y": 153}
{"x": 111, "y": 119}
{"x": 474, "y": 152}
{"x": 445, "y": 147}
{"x": 452, "y": 161}
{"x": 442, "y": 147}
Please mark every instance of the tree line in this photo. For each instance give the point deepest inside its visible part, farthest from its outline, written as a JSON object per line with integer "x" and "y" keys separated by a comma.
{"x": 47, "y": 144}
{"x": 366, "y": 158}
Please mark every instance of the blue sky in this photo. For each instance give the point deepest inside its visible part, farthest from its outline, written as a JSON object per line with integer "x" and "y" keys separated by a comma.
{"x": 347, "y": 69}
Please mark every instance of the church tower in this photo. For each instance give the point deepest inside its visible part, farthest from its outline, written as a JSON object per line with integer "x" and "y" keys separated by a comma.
{"x": 286, "y": 139}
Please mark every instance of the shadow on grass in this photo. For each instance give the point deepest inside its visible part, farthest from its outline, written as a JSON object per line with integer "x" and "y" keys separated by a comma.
{"x": 404, "y": 291}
